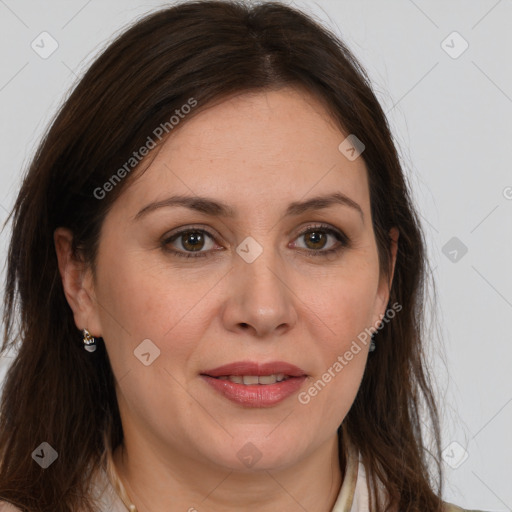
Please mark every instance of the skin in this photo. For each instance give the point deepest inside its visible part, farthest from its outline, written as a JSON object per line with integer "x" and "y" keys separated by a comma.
{"x": 257, "y": 152}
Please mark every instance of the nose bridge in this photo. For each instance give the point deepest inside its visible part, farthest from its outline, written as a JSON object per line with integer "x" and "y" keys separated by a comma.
{"x": 261, "y": 296}
{"x": 264, "y": 275}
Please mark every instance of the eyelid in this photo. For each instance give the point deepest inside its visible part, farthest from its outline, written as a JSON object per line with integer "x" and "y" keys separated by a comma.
{"x": 320, "y": 225}
{"x": 191, "y": 227}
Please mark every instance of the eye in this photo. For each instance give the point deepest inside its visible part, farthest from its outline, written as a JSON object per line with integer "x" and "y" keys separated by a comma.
{"x": 191, "y": 240}
{"x": 316, "y": 239}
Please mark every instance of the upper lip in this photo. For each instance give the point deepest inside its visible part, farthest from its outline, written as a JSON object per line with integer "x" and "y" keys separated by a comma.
{"x": 255, "y": 368}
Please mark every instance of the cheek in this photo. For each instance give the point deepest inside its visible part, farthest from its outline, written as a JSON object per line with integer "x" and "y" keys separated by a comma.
{"x": 345, "y": 310}
{"x": 141, "y": 300}
{"x": 331, "y": 392}
{"x": 338, "y": 388}
{"x": 345, "y": 305}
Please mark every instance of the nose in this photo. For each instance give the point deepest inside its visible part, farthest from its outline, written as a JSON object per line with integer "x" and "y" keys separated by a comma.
{"x": 260, "y": 300}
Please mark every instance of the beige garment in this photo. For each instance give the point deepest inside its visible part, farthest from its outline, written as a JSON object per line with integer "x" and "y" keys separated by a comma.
{"x": 353, "y": 495}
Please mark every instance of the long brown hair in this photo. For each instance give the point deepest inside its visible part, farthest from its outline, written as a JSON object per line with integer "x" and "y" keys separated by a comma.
{"x": 56, "y": 392}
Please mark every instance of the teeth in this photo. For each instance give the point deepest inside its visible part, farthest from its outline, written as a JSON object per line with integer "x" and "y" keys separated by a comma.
{"x": 255, "y": 379}
{"x": 266, "y": 379}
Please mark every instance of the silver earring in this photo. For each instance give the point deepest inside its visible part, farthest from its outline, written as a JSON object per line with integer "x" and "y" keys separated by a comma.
{"x": 89, "y": 341}
{"x": 372, "y": 344}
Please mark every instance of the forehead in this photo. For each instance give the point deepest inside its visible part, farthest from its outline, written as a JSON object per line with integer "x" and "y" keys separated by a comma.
{"x": 273, "y": 146}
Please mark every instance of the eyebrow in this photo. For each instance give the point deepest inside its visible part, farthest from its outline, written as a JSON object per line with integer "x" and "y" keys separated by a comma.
{"x": 216, "y": 208}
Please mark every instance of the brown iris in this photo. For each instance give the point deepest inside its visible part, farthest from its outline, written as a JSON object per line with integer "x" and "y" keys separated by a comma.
{"x": 193, "y": 240}
{"x": 318, "y": 237}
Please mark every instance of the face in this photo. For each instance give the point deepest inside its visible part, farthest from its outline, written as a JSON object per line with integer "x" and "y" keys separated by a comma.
{"x": 180, "y": 291}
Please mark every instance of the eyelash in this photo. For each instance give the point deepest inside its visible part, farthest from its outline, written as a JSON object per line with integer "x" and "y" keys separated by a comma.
{"x": 340, "y": 237}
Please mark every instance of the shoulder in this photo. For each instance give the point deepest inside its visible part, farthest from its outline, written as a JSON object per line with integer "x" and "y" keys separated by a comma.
{"x": 450, "y": 507}
{"x": 5, "y": 506}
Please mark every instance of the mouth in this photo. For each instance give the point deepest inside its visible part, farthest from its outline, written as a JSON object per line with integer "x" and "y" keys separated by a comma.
{"x": 253, "y": 384}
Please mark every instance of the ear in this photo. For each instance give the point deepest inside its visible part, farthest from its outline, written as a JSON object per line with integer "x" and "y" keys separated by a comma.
{"x": 78, "y": 283}
{"x": 385, "y": 281}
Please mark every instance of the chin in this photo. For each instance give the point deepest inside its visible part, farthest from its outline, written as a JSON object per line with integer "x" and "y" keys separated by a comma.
{"x": 251, "y": 453}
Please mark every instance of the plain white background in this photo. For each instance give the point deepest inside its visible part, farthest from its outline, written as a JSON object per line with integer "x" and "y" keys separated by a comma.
{"x": 449, "y": 107}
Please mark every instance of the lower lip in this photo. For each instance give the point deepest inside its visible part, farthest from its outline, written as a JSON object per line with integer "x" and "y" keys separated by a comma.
{"x": 256, "y": 395}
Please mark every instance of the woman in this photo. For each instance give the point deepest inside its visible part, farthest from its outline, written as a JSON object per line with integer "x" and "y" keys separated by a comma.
{"x": 218, "y": 216}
